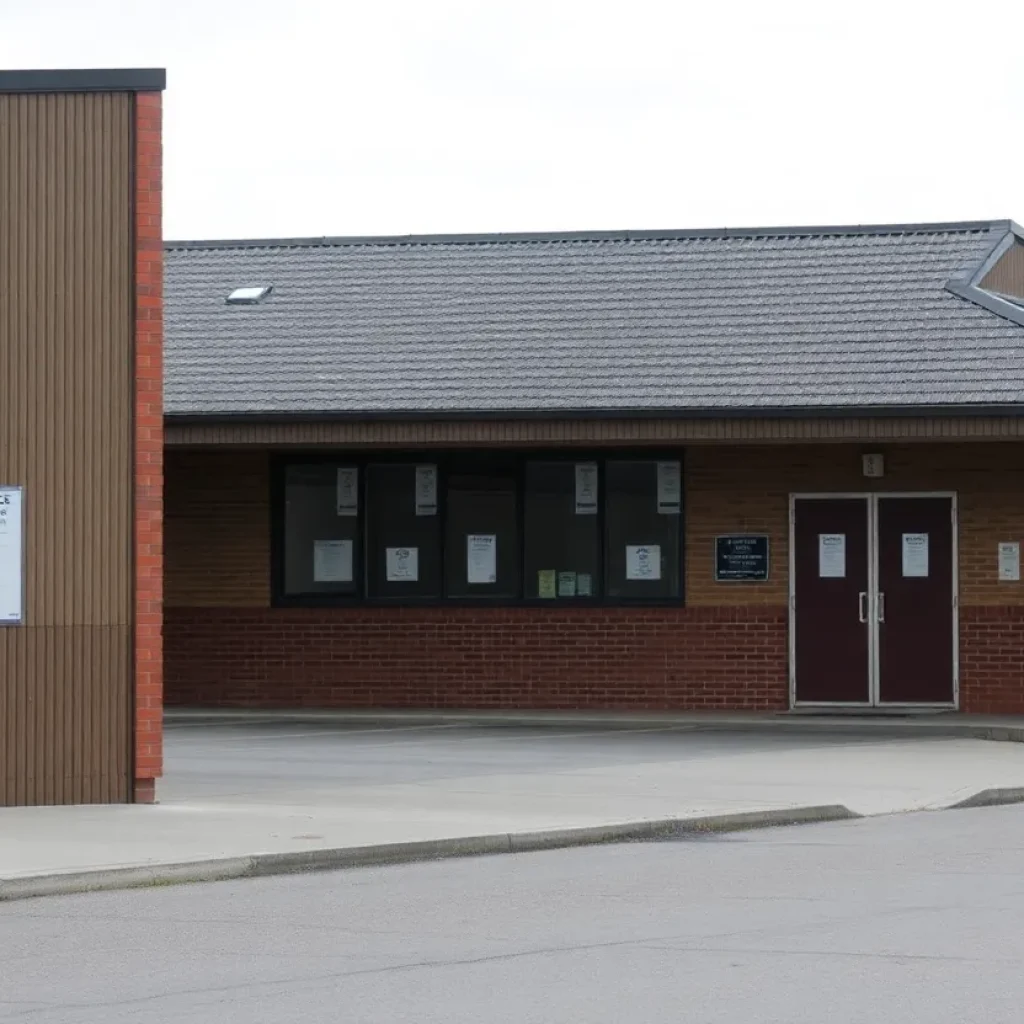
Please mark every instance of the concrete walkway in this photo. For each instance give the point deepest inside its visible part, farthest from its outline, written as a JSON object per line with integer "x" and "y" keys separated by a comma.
{"x": 305, "y": 786}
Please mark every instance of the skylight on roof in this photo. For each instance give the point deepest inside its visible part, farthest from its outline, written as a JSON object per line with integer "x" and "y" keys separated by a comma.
{"x": 249, "y": 296}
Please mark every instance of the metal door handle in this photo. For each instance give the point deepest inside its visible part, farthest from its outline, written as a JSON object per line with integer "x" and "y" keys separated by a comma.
{"x": 862, "y": 606}
{"x": 881, "y": 607}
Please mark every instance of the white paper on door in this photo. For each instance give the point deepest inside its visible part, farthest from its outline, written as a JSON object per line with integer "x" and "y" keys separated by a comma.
{"x": 332, "y": 561}
{"x": 481, "y": 558}
{"x": 402, "y": 564}
{"x": 832, "y": 556}
{"x": 915, "y": 554}
{"x": 643, "y": 561}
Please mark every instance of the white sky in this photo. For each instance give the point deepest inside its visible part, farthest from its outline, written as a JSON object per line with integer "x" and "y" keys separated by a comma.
{"x": 336, "y": 117}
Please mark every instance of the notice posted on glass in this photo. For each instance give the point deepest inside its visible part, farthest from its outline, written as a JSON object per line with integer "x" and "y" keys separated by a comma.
{"x": 670, "y": 488}
{"x": 832, "y": 556}
{"x": 481, "y": 558}
{"x": 332, "y": 561}
{"x": 402, "y": 564}
{"x": 643, "y": 561}
{"x": 426, "y": 490}
{"x": 586, "y": 488}
{"x": 348, "y": 492}
{"x": 915, "y": 554}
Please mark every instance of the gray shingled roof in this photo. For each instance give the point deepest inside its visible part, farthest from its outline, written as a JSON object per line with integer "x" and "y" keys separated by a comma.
{"x": 687, "y": 322}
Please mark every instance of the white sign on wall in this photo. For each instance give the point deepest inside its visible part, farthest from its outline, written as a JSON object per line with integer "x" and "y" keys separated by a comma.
{"x": 1009, "y": 561}
{"x": 12, "y": 586}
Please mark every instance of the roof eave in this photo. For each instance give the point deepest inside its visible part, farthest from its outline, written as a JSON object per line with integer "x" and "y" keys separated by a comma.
{"x": 753, "y": 412}
{"x": 797, "y": 231}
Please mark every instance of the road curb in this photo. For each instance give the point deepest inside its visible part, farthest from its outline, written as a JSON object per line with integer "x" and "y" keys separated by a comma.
{"x": 939, "y": 725}
{"x": 268, "y": 864}
{"x": 995, "y": 797}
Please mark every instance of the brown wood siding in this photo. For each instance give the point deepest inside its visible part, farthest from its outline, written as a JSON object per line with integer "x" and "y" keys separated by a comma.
{"x": 457, "y": 433}
{"x": 66, "y": 369}
{"x": 1007, "y": 276}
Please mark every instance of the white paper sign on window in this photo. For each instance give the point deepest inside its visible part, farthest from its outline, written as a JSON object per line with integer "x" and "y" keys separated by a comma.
{"x": 643, "y": 561}
{"x": 11, "y": 560}
{"x": 1009, "y": 561}
{"x": 481, "y": 558}
{"x": 586, "y": 488}
{"x": 915, "y": 554}
{"x": 402, "y": 564}
{"x": 670, "y": 488}
{"x": 832, "y": 556}
{"x": 348, "y": 492}
{"x": 426, "y": 490}
{"x": 332, "y": 561}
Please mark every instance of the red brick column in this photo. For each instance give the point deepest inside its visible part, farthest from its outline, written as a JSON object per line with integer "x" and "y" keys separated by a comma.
{"x": 148, "y": 448}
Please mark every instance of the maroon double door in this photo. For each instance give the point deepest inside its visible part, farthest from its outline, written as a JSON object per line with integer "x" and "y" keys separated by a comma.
{"x": 873, "y": 600}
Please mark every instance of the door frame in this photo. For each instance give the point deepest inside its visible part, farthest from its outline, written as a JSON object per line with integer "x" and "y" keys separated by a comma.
{"x": 870, "y": 499}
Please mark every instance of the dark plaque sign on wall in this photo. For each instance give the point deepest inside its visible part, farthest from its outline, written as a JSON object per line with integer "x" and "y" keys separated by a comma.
{"x": 741, "y": 557}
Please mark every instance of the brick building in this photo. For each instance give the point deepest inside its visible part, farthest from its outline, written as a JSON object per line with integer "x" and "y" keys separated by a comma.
{"x": 669, "y": 470}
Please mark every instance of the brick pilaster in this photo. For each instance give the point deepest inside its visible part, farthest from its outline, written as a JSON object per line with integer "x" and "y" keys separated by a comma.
{"x": 148, "y": 448}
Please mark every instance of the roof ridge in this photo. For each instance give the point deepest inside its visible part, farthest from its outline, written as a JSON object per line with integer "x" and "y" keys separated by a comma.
{"x": 327, "y": 241}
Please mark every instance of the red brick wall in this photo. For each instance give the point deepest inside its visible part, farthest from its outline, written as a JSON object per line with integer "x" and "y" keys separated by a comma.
{"x": 992, "y": 660}
{"x": 692, "y": 658}
{"x": 148, "y": 447}
{"x": 726, "y": 649}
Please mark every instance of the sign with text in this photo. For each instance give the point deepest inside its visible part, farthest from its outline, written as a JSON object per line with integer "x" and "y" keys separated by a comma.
{"x": 12, "y": 585}
{"x": 741, "y": 558}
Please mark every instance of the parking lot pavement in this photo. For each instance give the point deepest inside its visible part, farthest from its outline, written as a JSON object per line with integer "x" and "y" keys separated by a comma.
{"x": 243, "y": 787}
{"x": 897, "y": 919}
{"x": 560, "y": 774}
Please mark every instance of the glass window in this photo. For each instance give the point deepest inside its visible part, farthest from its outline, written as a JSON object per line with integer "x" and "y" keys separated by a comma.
{"x": 481, "y": 539}
{"x": 321, "y": 529}
{"x": 643, "y": 511}
{"x": 403, "y": 531}
{"x": 560, "y": 530}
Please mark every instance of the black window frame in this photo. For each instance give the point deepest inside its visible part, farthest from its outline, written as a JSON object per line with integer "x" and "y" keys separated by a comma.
{"x": 446, "y": 460}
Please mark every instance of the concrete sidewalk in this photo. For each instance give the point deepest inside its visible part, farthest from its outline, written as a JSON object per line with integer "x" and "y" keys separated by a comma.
{"x": 250, "y": 793}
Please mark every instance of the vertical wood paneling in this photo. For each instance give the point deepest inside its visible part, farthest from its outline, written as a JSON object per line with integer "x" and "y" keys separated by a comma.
{"x": 66, "y": 370}
{"x": 1007, "y": 276}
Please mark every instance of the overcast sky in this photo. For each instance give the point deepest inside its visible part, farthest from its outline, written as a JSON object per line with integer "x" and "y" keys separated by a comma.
{"x": 336, "y": 117}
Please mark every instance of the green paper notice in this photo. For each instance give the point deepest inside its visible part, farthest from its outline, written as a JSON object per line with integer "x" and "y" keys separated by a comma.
{"x": 547, "y": 582}
{"x": 567, "y": 584}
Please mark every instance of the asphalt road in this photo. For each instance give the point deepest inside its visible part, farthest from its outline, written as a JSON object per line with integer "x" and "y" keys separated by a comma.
{"x": 897, "y": 919}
